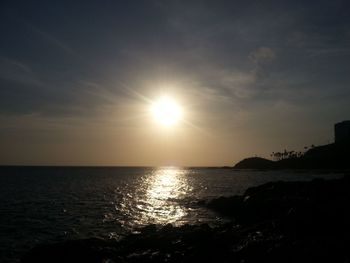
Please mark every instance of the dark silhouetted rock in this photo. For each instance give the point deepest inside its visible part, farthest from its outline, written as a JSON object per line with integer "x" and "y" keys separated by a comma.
{"x": 255, "y": 163}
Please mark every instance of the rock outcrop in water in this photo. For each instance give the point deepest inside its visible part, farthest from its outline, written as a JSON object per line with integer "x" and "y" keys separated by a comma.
{"x": 255, "y": 163}
{"x": 275, "y": 222}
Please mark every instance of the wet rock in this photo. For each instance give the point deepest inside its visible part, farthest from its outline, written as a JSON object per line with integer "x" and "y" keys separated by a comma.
{"x": 149, "y": 229}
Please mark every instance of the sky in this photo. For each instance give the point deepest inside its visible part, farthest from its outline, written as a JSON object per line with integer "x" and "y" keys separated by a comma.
{"x": 78, "y": 78}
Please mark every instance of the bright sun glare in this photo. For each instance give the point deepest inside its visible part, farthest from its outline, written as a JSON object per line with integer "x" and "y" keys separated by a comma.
{"x": 166, "y": 111}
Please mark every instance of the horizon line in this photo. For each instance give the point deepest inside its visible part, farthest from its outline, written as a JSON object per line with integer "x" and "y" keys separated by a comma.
{"x": 110, "y": 166}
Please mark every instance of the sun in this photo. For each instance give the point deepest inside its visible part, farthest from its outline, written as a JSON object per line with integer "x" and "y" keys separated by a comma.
{"x": 166, "y": 111}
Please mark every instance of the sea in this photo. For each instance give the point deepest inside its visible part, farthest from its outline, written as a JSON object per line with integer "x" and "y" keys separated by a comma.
{"x": 40, "y": 205}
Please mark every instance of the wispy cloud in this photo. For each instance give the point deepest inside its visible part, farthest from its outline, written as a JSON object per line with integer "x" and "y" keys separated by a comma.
{"x": 50, "y": 38}
{"x": 17, "y": 71}
{"x": 262, "y": 55}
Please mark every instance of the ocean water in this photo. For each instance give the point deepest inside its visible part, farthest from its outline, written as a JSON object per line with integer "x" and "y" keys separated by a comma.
{"x": 50, "y": 204}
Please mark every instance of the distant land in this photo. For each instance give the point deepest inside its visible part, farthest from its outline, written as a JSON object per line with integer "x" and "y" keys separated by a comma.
{"x": 331, "y": 156}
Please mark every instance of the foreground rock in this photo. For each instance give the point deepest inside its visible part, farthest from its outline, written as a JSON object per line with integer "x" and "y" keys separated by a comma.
{"x": 275, "y": 222}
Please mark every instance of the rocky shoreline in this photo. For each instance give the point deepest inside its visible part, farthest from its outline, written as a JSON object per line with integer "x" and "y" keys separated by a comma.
{"x": 274, "y": 222}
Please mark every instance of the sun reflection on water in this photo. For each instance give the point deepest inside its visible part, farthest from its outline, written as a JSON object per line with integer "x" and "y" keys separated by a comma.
{"x": 166, "y": 184}
{"x": 158, "y": 197}
{"x": 165, "y": 187}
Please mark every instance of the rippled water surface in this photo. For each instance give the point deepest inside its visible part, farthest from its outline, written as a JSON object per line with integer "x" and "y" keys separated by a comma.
{"x": 48, "y": 204}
